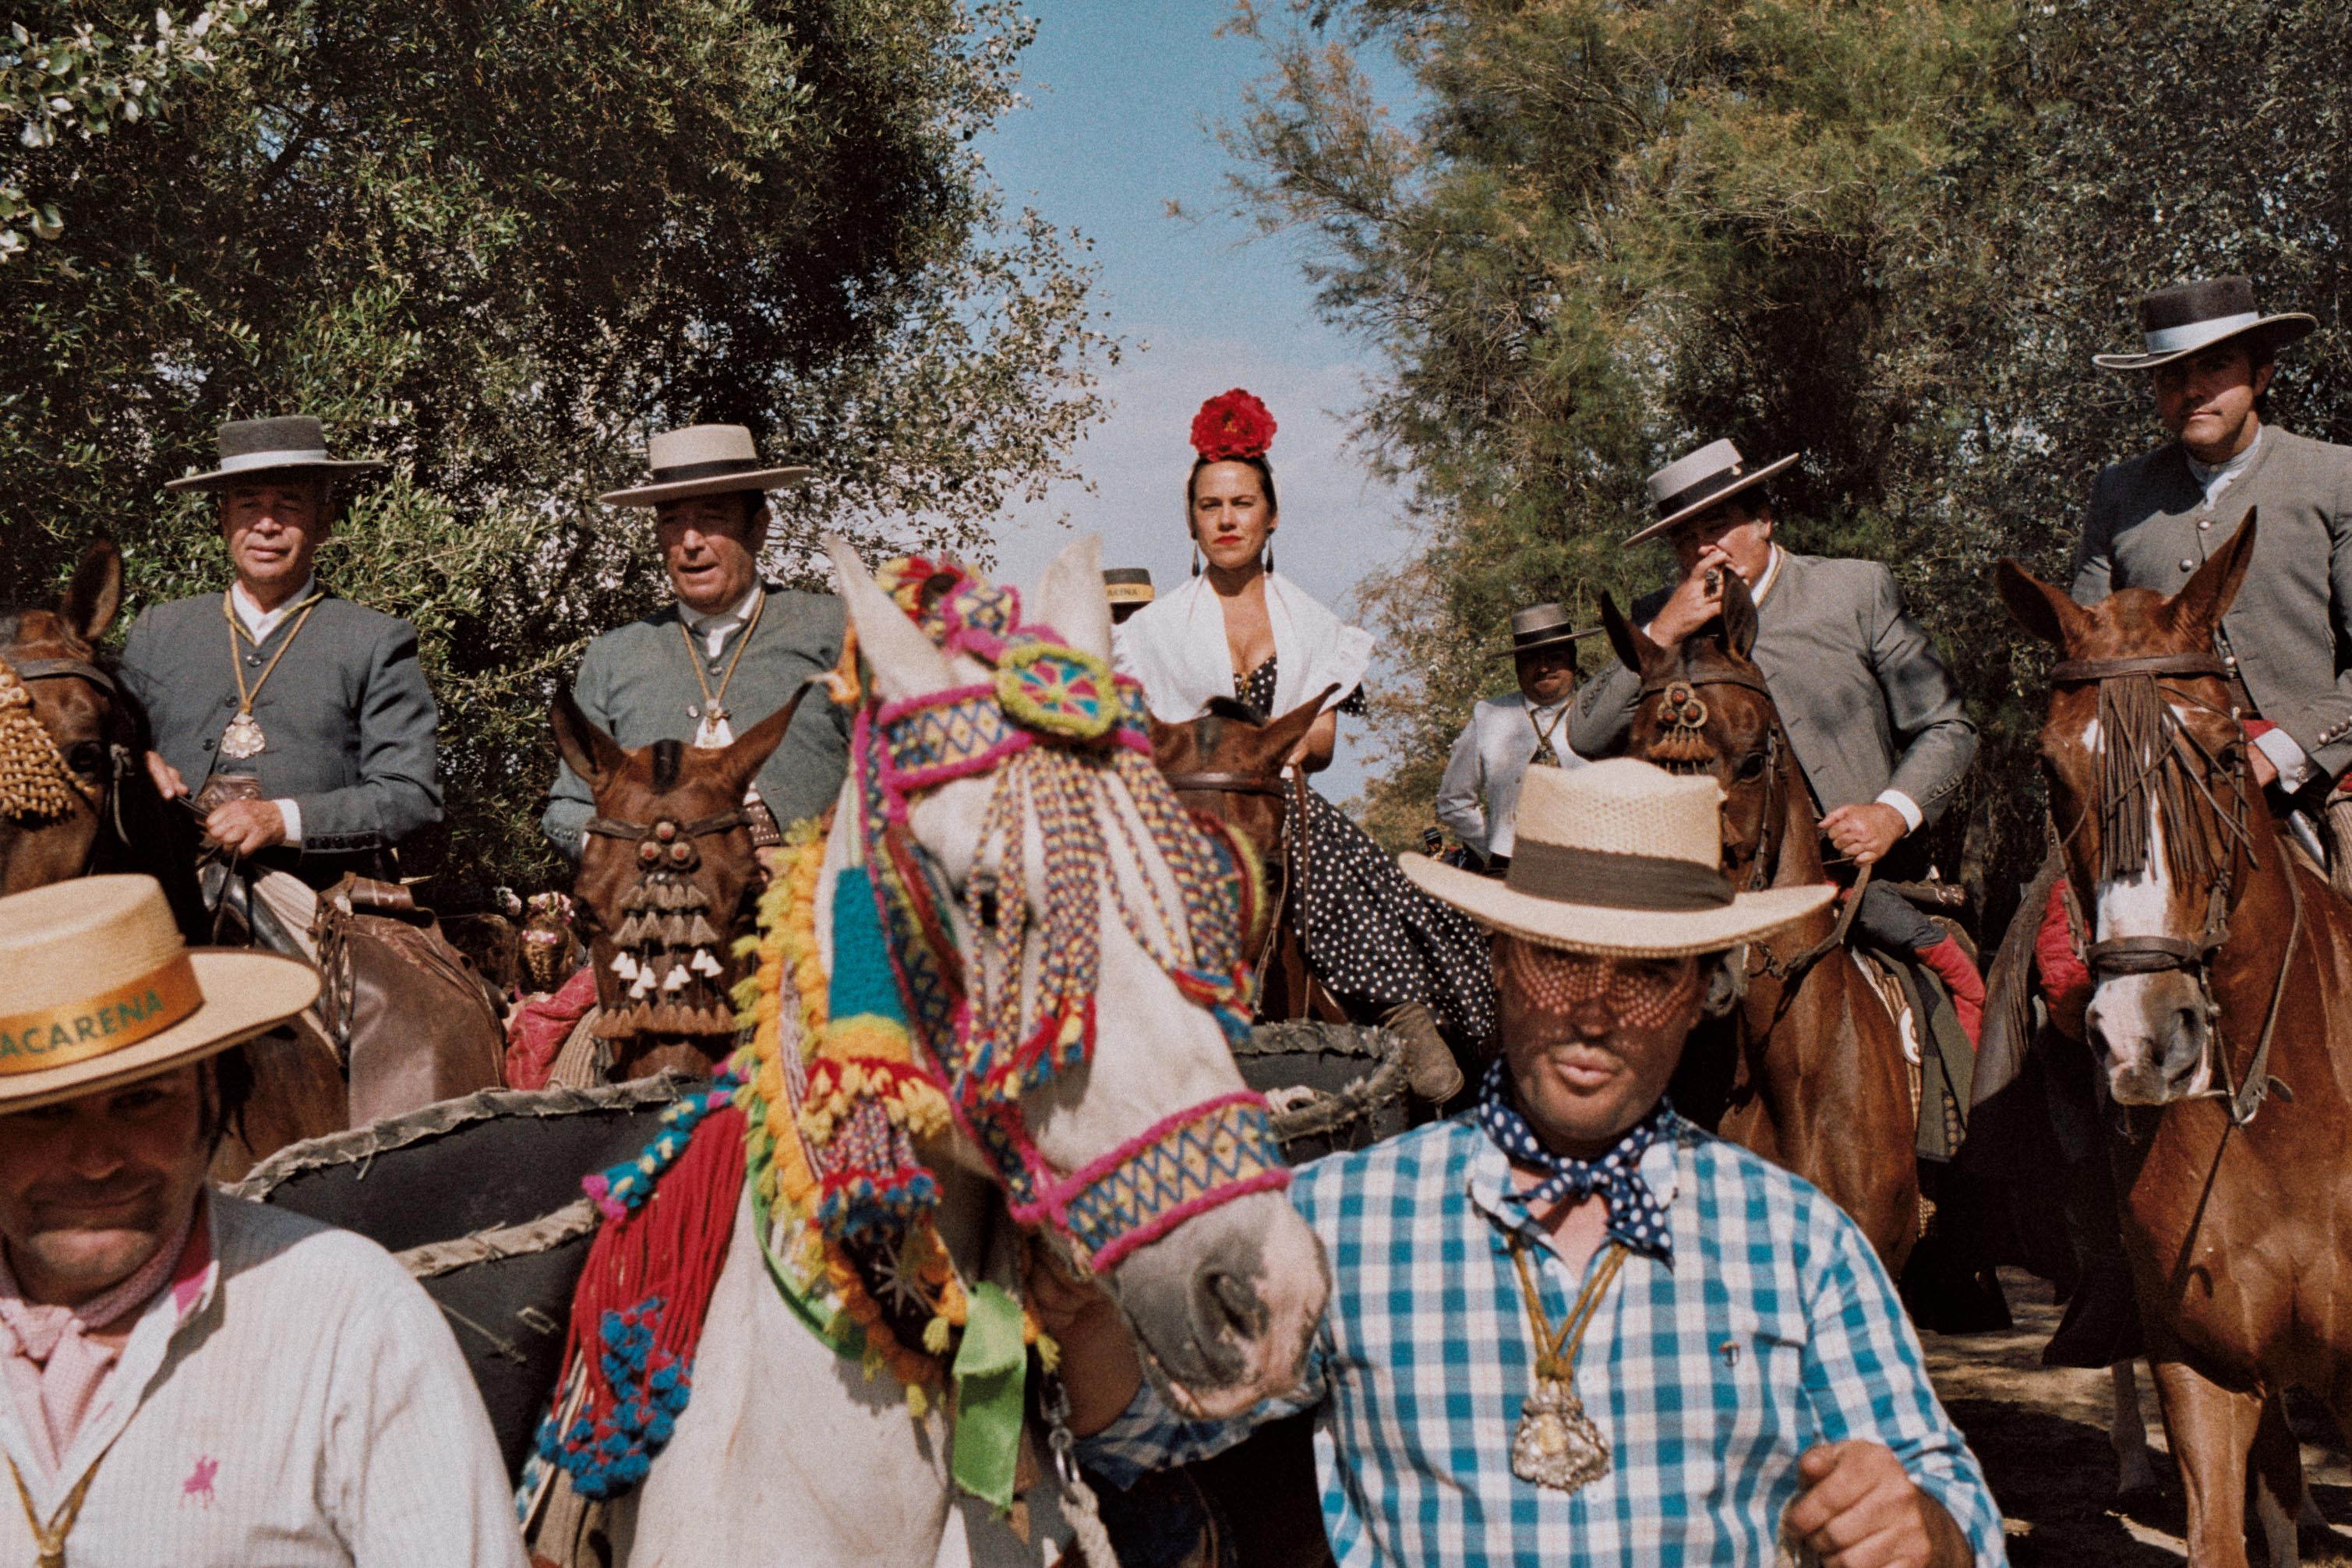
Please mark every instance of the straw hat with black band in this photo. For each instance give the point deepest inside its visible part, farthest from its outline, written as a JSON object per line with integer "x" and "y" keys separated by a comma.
{"x": 97, "y": 990}
{"x": 1541, "y": 625}
{"x": 1706, "y": 478}
{"x": 250, "y": 448}
{"x": 2187, "y": 317}
{"x": 703, "y": 461}
{"x": 1619, "y": 857}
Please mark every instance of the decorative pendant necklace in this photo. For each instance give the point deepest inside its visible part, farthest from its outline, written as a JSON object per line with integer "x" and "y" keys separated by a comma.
{"x": 1544, "y": 755}
{"x": 243, "y": 738}
{"x": 1556, "y": 1444}
{"x": 713, "y": 731}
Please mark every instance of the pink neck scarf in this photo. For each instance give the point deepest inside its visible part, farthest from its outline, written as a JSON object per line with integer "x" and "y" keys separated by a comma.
{"x": 53, "y": 1369}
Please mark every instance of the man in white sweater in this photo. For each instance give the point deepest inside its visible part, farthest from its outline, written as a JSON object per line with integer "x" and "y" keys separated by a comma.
{"x": 186, "y": 1378}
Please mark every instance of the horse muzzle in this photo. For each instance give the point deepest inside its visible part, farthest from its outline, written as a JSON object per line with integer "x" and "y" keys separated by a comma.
{"x": 2154, "y": 1036}
{"x": 1224, "y": 1308}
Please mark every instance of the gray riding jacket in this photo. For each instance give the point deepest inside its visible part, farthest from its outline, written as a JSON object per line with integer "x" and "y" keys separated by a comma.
{"x": 347, "y": 714}
{"x": 1867, "y": 701}
{"x": 638, "y": 684}
{"x": 2289, "y": 633}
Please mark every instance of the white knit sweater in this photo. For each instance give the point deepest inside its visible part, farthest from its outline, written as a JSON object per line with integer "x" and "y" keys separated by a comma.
{"x": 306, "y": 1404}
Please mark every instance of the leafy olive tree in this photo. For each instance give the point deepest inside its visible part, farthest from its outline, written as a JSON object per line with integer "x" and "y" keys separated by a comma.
{"x": 499, "y": 241}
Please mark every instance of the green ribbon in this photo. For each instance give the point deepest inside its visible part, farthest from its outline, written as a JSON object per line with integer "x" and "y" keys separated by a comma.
{"x": 989, "y": 1367}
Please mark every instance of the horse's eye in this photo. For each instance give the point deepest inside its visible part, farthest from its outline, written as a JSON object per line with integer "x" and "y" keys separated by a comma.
{"x": 1751, "y": 767}
{"x": 86, "y": 757}
{"x": 981, "y": 896}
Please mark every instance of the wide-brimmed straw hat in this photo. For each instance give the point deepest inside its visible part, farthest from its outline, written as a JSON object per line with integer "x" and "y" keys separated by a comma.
{"x": 703, "y": 461}
{"x": 1619, "y": 857}
{"x": 1709, "y": 476}
{"x": 250, "y": 448}
{"x": 97, "y": 989}
{"x": 2181, "y": 320}
{"x": 1541, "y": 625}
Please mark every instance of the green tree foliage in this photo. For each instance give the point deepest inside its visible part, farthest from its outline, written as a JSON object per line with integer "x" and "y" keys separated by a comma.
{"x": 497, "y": 241}
{"x": 1887, "y": 238}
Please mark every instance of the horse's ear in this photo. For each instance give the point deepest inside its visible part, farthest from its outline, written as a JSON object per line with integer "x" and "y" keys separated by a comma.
{"x": 1633, "y": 645}
{"x": 906, "y": 662}
{"x": 96, "y": 592}
{"x": 1276, "y": 740}
{"x": 1171, "y": 744}
{"x": 2036, "y": 606}
{"x": 741, "y": 761}
{"x": 2206, "y": 597}
{"x": 587, "y": 750}
{"x": 1738, "y": 616}
{"x": 1071, "y": 600}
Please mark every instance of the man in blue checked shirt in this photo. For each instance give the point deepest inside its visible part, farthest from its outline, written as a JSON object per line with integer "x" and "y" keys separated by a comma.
{"x": 1569, "y": 1327}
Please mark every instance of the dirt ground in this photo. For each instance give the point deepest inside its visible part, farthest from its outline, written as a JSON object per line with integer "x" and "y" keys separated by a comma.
{"x": 2041, "y": 1433}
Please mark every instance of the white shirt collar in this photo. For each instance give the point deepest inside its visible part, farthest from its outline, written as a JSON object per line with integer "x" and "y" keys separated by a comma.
{"x": 2216, "y": 476}
{"x": 715, "y": 627}
{"x": 259, "y": 623}
{"x": 1772, "y": 575}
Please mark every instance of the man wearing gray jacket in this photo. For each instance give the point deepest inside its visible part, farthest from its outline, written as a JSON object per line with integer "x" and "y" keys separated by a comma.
{"x": 1872, "y": 712}
{"x": 2153, "y": 518}
{"x": 299, "y": 721}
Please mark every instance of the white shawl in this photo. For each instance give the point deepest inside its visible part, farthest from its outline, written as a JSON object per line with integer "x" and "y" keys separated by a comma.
{"x": 1176, "y": 647}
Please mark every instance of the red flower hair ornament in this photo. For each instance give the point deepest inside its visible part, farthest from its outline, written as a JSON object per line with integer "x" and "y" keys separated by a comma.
{"x": 1232, "y": 425}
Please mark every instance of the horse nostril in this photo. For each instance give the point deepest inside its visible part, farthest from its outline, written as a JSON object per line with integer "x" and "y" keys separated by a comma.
{"x": 1229, "y": 1306}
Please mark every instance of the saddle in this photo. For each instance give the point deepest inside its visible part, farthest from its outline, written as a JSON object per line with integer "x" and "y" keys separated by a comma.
{"x": 381, "y": 954}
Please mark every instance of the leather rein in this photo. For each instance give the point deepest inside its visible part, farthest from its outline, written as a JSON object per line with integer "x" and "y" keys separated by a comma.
{"x": 2156, "y": 954}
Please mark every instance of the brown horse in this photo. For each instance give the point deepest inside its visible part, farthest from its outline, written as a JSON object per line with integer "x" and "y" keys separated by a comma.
{"x": 1814, "y": 1078}
{"x": 668, "y": 879}
{"x": 2222, "y": 973}
{"x": 1227, "y": 764}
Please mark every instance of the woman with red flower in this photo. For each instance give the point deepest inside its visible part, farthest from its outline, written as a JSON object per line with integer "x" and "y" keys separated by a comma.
{"x": 1241, "y": 631}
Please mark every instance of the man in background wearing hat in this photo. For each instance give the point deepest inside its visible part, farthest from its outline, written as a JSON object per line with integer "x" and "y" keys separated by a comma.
{"x": 2153, "y": 520}
{"x": 1570, "y": 1326}
{"x": 1871, "y": 711}
{"x": 728, "y": 653}
{"x": 188, "y": 1378}
{"x": 299, "y": 720}
{"x": 1506, "y": 735}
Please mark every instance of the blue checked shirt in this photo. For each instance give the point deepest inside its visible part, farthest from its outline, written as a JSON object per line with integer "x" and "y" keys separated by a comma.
{"x": 1774, "y": 1329}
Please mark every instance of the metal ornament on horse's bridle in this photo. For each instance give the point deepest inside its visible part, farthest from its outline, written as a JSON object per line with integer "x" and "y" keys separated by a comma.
{"x": 2134, "y": 758}
{"x": 1055, "y": 726}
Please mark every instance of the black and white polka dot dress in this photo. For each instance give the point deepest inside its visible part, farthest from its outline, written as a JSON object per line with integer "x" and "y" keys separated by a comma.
{"x": 1371, "y": 936}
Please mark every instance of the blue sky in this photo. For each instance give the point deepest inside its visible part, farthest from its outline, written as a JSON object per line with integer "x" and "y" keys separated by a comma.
{"x": 1124, "y": 97}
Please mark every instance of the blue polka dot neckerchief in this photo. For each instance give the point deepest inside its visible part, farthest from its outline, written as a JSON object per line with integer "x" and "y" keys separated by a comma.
{"x": 1635, "y": 1216}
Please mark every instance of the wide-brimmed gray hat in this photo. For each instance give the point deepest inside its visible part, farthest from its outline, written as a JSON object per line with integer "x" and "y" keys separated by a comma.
{"x": 703, "y": 461}
{"x": 2186, "y": 317}
{"x": 1688, "y": 485}
{"x": 1541, "y": 625}
{"x": 250, "y": 448}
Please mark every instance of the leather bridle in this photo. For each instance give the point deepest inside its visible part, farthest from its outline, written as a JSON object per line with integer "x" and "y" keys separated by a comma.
{"x": 106, "y": 799}
{"x": 2158, "y": 954}
{"x": 1765, "y": 862}
{"x": 1291, "y": 790}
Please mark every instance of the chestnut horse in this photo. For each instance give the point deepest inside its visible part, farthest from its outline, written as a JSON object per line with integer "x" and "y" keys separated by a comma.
{"x": 668, "y": 879}
{"x": 2222, "y": 982}
{"x": 1814, "y": 1079}
{"x": 1227, "y": 764}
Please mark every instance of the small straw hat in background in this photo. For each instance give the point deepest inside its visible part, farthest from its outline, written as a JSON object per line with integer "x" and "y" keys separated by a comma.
{"x": 1620, "y": 856}
{"x": 97, "y": 989}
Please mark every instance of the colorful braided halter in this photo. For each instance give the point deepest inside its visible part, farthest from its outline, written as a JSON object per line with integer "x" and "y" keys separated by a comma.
{"x": 1068, "y": 742}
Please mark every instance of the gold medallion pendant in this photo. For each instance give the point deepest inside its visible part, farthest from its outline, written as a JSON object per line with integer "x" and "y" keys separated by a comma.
{"x": 1556, "y": 1444}
{"x": 243, "y": 738}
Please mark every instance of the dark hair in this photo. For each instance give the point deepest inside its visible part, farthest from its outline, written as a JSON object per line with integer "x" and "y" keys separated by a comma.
{"x": 228, "y": 1079}
{"x": 1266, "y": 481}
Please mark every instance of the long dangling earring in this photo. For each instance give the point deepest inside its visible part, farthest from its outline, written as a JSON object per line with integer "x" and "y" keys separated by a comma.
{"x": 1196, "y": 555}
{"x": 1269, "y": 555}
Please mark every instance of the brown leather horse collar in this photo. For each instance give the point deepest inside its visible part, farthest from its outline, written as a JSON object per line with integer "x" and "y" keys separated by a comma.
{"x": 2155, "y": 954}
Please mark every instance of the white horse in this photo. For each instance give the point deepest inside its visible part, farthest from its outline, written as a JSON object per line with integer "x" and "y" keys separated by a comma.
{"x": 787, "y": 1453}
